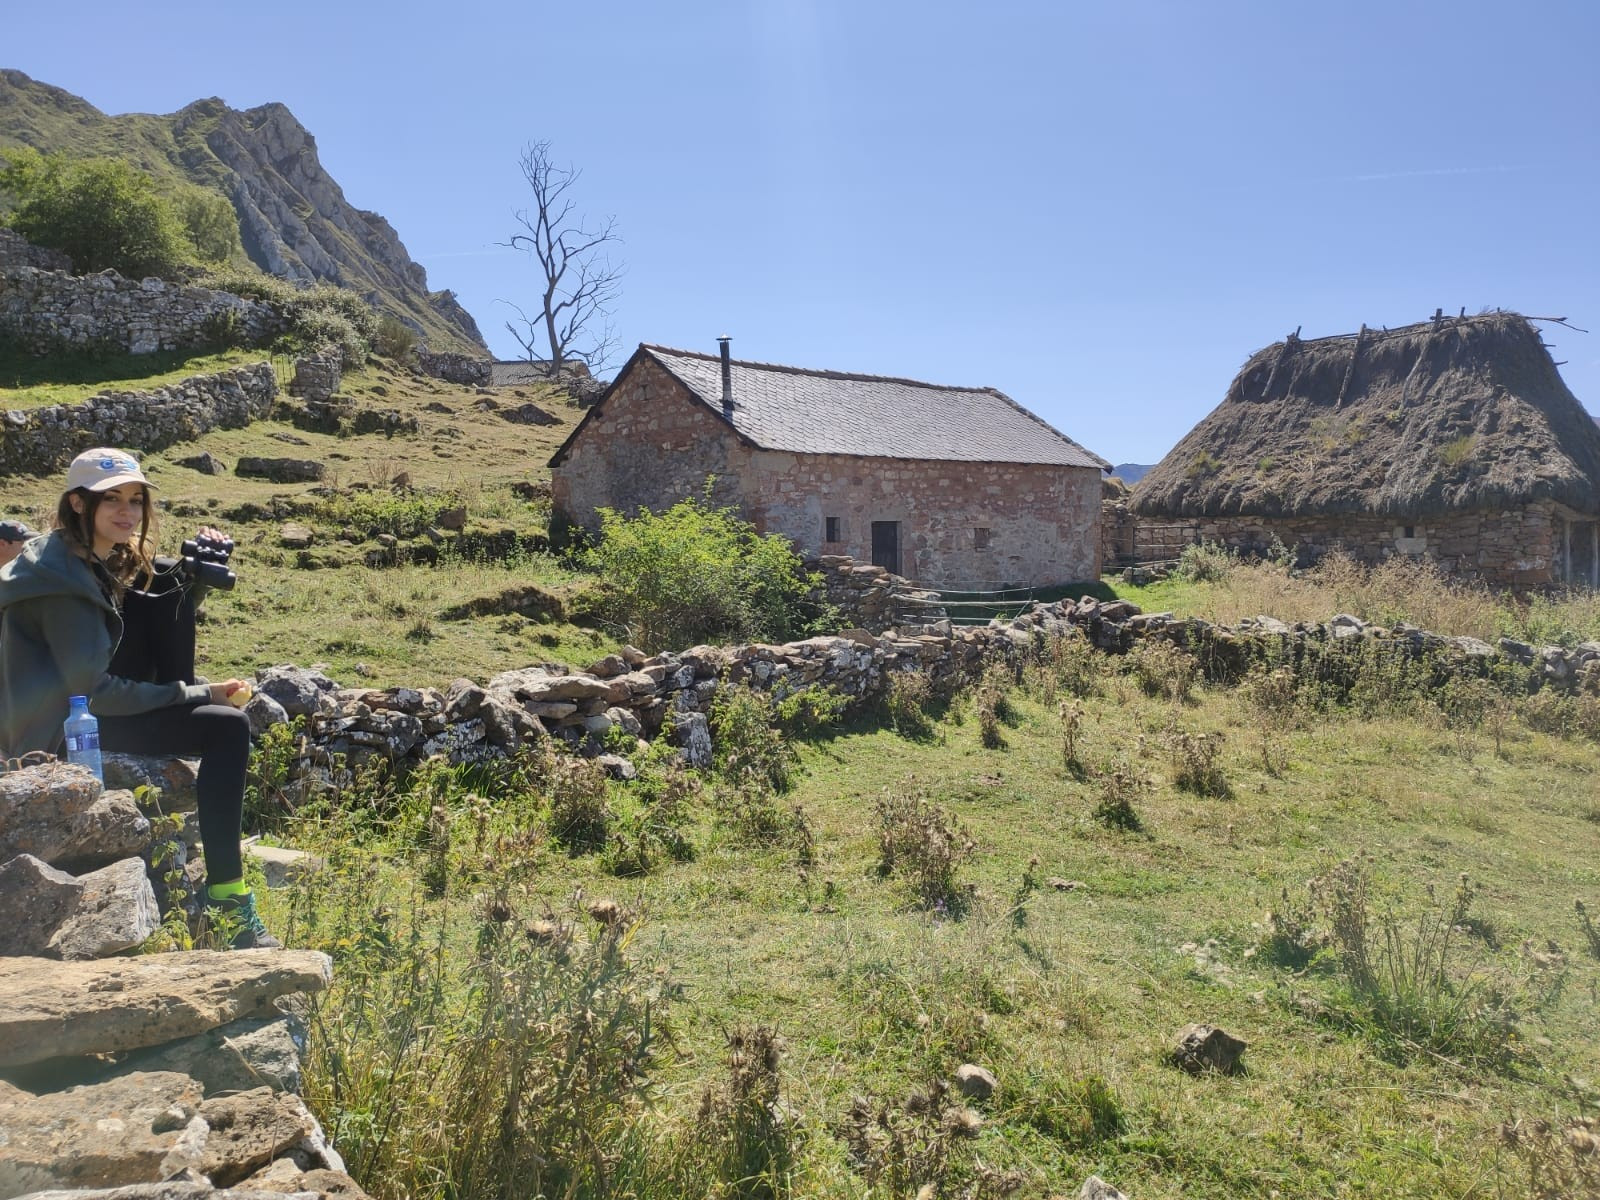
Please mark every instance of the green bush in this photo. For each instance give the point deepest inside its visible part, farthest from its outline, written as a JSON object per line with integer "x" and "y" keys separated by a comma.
{"x": 749, "y": 745}
{"x": 699, "y": 573}
{"x": 103, "y": 213}
{"x": 519, "y": 1076}
{"x": 209, "y": 224}
{"x": 393, "y": 338}
{"x": 316, "y": 317}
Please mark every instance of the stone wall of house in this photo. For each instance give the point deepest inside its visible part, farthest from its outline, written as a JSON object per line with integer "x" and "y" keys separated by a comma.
{"x": 959, "y": 523}
{"x": 49, "y": 310}
{"x": 38, "y": 441}
{"x": 1118, "y": 535}
{"x": 1513, "y": 548}
{"x": 1528, "y": 547}
{"x": 456, "y": 368}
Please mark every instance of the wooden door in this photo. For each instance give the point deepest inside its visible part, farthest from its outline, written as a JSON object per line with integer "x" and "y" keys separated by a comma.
{"x": 886, "y": 545}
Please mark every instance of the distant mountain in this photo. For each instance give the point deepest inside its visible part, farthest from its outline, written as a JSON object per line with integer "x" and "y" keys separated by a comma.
{"x": 293, "y": 217}
{"x": 1130, "y": 473}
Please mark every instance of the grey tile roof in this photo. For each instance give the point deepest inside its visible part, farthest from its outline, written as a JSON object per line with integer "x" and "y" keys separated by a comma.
{"x": 829, "y": 412}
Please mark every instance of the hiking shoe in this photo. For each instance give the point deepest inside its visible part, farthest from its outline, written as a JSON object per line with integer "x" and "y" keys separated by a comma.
{"x": 251, "y": 934}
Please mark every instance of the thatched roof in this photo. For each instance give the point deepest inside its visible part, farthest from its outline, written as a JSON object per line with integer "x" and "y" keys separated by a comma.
{"x": 1457, "y": 413}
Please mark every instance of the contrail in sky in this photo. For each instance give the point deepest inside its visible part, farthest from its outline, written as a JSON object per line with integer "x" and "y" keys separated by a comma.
{"x": 1383, "y": 175}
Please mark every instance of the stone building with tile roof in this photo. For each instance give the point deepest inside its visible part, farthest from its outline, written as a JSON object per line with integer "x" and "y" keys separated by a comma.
{"x": 953, "y": 487}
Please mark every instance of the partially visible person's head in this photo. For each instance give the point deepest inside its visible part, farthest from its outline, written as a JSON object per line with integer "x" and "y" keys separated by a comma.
{"x": 106, "y": 510}
{"x": 13, "y": 536}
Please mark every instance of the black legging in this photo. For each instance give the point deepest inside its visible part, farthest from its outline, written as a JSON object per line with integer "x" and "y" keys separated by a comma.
{"x": 158, "y": 646}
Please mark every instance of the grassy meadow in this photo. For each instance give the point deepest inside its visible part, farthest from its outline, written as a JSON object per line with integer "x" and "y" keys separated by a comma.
{"x": 705, "y": 987}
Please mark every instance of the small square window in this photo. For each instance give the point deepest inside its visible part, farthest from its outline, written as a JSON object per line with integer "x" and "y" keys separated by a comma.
{"x": 980, "y": 538}
{"x": 831, "y": 530}
{"x": 1411, "y": 531}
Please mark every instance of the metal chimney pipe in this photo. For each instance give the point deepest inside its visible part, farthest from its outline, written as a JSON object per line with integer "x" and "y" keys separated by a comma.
{"x": 727, "y": 372}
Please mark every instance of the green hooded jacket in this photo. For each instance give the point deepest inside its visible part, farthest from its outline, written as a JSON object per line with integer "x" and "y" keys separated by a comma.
{"x": 58, "y": 631}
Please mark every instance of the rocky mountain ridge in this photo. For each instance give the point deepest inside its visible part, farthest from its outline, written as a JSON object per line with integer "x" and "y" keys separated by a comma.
{"x": 294, "y": 219}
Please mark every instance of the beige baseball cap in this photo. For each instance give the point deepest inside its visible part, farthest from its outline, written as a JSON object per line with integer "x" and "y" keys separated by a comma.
{"x": 103, "y": 468}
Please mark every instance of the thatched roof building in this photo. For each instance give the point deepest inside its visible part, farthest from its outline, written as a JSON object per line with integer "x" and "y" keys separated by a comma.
{"x": 1339, "y": 439}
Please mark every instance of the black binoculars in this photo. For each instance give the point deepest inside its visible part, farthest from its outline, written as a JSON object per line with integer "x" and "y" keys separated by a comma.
{"x": 205, "y": 560}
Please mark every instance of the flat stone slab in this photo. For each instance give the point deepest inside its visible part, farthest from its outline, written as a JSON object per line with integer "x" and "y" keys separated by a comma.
{"x": 281, "y": 865}
{"x": 49, "y": 1009}
{"x": 98, "y": 1135}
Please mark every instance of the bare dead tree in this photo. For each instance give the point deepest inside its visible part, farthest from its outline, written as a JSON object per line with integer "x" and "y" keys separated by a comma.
{"x": 580, "y": 280}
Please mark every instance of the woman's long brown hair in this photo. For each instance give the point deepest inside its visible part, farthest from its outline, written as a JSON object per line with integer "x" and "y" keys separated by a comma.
{"x": 128, "y": 561}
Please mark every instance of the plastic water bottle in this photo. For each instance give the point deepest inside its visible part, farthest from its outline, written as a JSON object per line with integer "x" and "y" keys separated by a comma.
{"x": 83, "y": 736}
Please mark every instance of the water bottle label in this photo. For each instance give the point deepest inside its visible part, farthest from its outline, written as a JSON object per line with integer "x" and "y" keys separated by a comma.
{"x": 78, "y": 743}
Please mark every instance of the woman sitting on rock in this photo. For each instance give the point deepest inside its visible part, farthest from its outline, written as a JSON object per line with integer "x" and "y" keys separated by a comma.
{"x": 86, "y": 612}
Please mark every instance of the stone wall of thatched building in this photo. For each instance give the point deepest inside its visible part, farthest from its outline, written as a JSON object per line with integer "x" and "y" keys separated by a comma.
{"x": 1454, "y": 440}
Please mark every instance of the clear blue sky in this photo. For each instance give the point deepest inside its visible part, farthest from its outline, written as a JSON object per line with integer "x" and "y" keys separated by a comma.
{"x": 1101, "y": 209}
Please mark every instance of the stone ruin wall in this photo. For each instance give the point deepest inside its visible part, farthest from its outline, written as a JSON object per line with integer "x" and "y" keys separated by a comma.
{"x": 49, "y": 310}
{"x": 671, "y": 695}
{"x": 17, "y": 251}
{"x": 456, "y": 368}
{"x": 38, "y": 441}
{"x": 1520, "y": 547}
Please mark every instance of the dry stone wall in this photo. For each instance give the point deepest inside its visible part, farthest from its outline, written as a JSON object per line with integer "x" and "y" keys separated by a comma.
{"x": 46, "y": 310}
{"x": 168, "y": 1074}
{"x": 17, "y": 251}
{"x": 456, "y": 368}
{"x": 39, "y": 441}
{"x": 671, "y": 695}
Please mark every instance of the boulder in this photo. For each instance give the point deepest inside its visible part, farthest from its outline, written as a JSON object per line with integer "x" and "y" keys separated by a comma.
{"x": 528, "y": 414}
{"x": 58, "y": 812}
{"x": 206, "y": 463}
{"x": 50, "y": 1009}
{"x": 116, "y": 910}
{"x": 36, "y": 898}
{"x": 1095, "y": 1188}
{"x": 285, "y": 1176}
{"x": 975, "y": 1082}
{"x": 281, "y": 470}
{"x": 297, "y": 689}
{"x": 99, "y": 1135}
{"x": 691, "y": 732}
{"x": 169, "y": 781}
{"x": 281, "y": 865}
{"x": 264, "y": 712}
{"x": 236, "y": 1057}
{"x": 247, "y": 1131}
{"x": 294, "y": 536}
{"x": 1202, "y": 1048}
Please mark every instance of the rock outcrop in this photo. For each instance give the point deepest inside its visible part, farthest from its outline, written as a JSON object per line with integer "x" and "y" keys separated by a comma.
{"x": 294, "y": 219}
{"x": 166, "y": 1075}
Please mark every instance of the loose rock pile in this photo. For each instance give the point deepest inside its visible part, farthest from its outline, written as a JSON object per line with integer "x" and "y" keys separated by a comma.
{"x": 119, "y": 1071}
